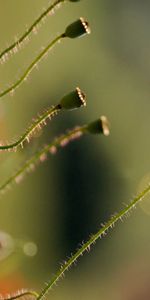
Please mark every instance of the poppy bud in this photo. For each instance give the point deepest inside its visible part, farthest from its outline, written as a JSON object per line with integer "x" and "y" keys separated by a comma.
{"x": 99, "y": 126}
{"x": 77, "y": 29}
{"x": 73, "y": 100}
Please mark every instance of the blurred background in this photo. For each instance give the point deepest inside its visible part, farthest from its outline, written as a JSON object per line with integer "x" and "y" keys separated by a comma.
{"x": 45, "y": 217}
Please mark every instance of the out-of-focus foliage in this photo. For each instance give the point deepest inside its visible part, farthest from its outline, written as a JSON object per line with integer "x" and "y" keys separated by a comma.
{"x": 67, "y": 198}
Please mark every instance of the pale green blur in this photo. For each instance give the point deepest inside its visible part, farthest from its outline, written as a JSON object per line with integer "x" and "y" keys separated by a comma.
{"x": 67, "y": 198}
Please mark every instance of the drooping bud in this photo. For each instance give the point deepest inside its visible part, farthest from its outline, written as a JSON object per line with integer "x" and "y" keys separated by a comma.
{"x": 77, "y": 29}
{"x": 73, "y": 100}
{"x": 99, "y": 126}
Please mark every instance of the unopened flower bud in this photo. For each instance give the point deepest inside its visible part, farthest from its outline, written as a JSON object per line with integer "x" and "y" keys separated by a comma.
{"x": 73, "y": 100}
{"x": 77, "y": 29}
{"x": 99, "y": 126}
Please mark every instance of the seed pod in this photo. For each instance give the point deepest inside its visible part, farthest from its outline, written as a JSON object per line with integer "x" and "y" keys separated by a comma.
{"x": 73, "y": 100}
{"x": 99, "y": 126}
{"x": 77, "y": 29}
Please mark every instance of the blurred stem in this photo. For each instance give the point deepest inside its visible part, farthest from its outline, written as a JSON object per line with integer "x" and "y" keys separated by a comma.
{"x": 86, "y": 246}
{"x": 38, "y": 21}
{"x": 22, "y": 294}
{"x": 36, "y": 156}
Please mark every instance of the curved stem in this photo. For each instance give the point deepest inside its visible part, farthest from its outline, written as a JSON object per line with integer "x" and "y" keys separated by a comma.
{"x": 86, "y": 246}
{"x": 22, "y": 294}
{"x": 19, "y": 41}
{"x": 29, "y": 164}
{"x": 41, "y": 120}
{"x": 13, "y": 87}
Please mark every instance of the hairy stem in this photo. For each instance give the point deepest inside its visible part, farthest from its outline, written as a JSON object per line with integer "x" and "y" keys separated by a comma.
{"x": 86, "y": 246}
{"x": 40, "y": 154}
{"x": 37, "y": 124}
{"x": 38, "y": 21}
{"x": 22, "y": 294}
{"x": 13, "y": 87}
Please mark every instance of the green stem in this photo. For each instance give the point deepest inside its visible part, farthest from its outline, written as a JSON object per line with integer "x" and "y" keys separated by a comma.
{"x": 86, "y": 246}
{"x": 18, "y": 42}
{"x": 13, "y": 87}
{"x": 28, "y": 165}
{"x": 22, "y": 294}
{"x": 30, "y": 131}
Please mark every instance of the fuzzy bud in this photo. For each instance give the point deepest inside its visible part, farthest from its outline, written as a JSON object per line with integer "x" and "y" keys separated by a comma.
{"x": 73, "y": 100}
{"x": 77, "y": 29}
{"x": 99, "y": 126}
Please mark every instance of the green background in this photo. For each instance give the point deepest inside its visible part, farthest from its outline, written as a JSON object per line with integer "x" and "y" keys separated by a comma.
{"x": 72, "y": 193}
